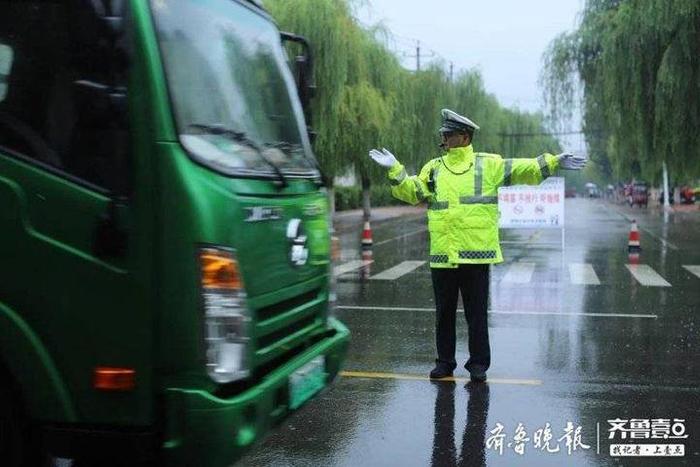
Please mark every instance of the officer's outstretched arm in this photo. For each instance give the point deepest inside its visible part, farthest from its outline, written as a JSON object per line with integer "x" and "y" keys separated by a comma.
{"x": 410, "y": 189}
{"x": 527, "y": 171}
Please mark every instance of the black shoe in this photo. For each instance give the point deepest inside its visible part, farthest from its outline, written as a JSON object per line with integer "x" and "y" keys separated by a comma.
{"x": 477, "y": 376}
{"x": 441, "y": 371}
{"x": 477, "y": 373}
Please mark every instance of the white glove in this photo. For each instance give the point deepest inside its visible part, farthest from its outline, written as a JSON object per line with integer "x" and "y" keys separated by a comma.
{"x": 568, "y": 161}
{"x": 383, "y": 157}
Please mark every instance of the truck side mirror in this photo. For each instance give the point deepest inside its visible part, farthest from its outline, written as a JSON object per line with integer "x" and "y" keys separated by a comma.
{"x": 304, "y": 70}
{"x": 6, "y": 57}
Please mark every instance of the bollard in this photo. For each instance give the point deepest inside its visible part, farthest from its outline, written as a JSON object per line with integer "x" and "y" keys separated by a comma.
{"x": 633, "y": 244}
{"x": 366, "y": 235}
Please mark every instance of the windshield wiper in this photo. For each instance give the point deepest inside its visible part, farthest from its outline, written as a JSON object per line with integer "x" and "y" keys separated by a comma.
{"x": 290, "y": 147}
{"x": 241, "y": 137}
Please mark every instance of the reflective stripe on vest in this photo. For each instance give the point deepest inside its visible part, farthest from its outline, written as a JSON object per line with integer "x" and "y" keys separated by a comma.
{"x": 419, "y": 191}
{"x": 439, "y": 258}
{"x": 544, "y": 168}
{"x": 438, "y": 205}
{"x": 478, "y": 199}
{"x": 478, "y": 176}
{"x": 477, "y": 254}
{"x": 399, "y": 178}
{"x": 507, "y": 172}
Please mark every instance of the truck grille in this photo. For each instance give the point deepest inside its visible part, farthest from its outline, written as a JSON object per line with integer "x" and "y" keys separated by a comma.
{"x": 288, "y": 324}
{"x": 271, "y": 311}
{"x": 276, "y": 336}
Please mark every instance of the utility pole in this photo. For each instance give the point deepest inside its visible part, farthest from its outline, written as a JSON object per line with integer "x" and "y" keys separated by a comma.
{"x": 418, "y": 55}
{"x": 452, "y": 66}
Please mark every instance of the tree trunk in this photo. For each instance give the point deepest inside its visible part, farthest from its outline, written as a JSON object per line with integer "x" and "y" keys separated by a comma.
{"x": 667, "y": 195}
{"x": 330, "y": 192}
{"x": 366, "y": 209}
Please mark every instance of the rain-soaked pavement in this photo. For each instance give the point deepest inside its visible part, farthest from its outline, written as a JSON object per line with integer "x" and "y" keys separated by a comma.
{"x": 579, "y": 337}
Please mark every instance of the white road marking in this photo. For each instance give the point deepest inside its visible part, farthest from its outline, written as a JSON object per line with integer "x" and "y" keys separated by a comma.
{"x": 693, "y": 269}
{"x": 519, "y": 273}
{"x": 401, "y": 236}
{"x": 379, "y": 375}
{"x": 351, "y": 266}
{"x": 583, "y": 273}
{"x": 646, "y": 276}
{"x": 397, "y": 271}
{"x": 500, "y": 312}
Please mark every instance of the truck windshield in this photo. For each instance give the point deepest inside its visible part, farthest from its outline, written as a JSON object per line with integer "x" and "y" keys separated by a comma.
{"x": 226, "y": 69}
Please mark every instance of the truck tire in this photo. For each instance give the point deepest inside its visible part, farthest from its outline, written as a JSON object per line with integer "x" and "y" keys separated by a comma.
{"x": 12, "y": 427}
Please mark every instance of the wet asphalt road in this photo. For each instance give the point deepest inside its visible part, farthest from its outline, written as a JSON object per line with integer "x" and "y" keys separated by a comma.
{"x": 576, "y": 335}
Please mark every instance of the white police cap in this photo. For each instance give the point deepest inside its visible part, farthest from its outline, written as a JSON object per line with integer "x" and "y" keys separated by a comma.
{"x": 452, "y": 121}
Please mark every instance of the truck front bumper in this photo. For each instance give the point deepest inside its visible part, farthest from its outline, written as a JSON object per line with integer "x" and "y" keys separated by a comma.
{"x": 205, "y": 430}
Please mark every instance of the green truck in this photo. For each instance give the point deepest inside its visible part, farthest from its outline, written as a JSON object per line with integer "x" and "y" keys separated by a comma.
{"x": 165, "y": 275}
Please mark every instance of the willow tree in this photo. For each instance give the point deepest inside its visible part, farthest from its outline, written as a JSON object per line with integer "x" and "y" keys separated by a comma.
{"x": 637, "y": 63}
{"x": 366, "y": 99}
{"x": 327, "y": 24}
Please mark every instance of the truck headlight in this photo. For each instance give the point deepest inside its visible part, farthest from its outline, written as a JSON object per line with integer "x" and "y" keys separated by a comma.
{"x": 226, "y": 317}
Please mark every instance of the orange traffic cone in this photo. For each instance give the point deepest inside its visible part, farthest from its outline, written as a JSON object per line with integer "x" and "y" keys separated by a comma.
{"x": 366, "y": 235}
{"x": 633, "y": 244}
{"x": 366, "y": 269}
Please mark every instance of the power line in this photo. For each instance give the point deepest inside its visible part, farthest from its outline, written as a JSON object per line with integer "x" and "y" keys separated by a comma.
{"x": 552, "y": 133}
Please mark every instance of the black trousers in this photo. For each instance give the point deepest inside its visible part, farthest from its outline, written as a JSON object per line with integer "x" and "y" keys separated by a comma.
{"x": 472, "y": 280}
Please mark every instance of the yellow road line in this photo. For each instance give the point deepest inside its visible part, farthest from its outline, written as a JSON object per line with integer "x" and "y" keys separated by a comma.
{"x": 374, "y": 375}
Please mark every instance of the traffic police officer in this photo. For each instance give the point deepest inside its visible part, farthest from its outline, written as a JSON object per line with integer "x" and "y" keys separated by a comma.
{"x": 461, "y": 189}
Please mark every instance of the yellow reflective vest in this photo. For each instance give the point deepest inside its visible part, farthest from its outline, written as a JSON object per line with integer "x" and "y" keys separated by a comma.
{"x": 461, "y": 189}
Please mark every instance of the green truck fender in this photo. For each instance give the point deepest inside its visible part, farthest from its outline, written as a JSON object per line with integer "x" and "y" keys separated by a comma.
{"x": 44, "y": 392}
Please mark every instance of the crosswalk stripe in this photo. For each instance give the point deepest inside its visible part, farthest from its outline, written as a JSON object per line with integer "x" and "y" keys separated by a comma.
{"x": 522, "y": 272}
{"x": 351, "y": 266}
{"x": 583, "y": 273}
{"x": 646, "y": 276}
{"x": 397, "y": 271}
{"x": 519, "y": 273}
{"x": 693, "y": 269}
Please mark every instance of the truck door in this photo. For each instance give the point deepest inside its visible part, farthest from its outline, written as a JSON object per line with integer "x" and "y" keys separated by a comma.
{"x": 74, "y": 255}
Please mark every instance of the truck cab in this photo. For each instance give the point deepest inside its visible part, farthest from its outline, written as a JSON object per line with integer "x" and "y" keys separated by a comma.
{"x": 165, "y": 273}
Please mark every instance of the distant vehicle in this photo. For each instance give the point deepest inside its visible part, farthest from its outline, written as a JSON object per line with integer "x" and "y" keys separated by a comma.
{"x": 662, "y": 195}
{"x": 609, "y": 192}
{"x": 688, "y": 195}
{"x": 570, "y": 192}
{"x": 592, "y": 190}
{"x": 640, "y": 195}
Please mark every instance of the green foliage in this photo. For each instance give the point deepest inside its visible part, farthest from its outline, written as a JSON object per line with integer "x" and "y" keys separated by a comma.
{"x": 347, "y": 197}
{"x": 638, "y": 65}
{"x": 366, "y": 99}
{"x": 350, "y": 197}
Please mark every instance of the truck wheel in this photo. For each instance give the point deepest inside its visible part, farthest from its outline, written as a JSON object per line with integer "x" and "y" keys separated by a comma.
{"x": 12, "y": 427}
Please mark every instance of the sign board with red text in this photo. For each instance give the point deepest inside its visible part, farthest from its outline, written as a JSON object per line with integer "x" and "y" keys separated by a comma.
{"x": 526, "y": 206}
